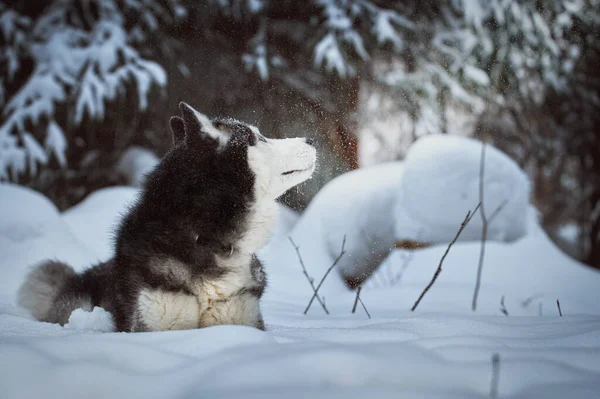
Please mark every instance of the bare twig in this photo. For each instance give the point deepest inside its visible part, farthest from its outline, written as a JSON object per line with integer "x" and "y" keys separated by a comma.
{"x": 558, "y": 304}
{"x": 484, "y": 227}
{"x": 495, "y": 377}
{"x": 316, "y": 293}
{"x": 356, "y": 299}
{"x": 497, "y": 210}
{"x": 528, "y": 301}
{"x": 310, "y": 279}
{"x": 439, "y": 268}
{"x": 485, "y": 224}
{"x": 407, "y": 256}
{"x": 364, "y": 307}
{"x": 503, "y": 307}
{"x": 406, "y": 259}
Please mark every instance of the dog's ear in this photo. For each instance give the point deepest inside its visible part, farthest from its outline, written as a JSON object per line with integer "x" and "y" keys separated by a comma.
{"x": 178, "y": 129}
{"x": 197, "y": 126}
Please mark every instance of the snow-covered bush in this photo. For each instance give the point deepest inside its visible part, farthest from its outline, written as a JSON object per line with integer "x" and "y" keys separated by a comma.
{"x": 441, "y": 183}
{"x": 422, "y": 199}
{"x": 83, "y": 56}
{"x": 479, "y": 54}
{"x": 31, "y": 230}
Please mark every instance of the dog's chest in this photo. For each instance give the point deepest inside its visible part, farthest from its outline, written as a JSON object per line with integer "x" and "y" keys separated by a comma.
{"x": 231, "y": 299}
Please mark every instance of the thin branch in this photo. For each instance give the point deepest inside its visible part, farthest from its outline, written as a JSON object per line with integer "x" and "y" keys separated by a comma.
{"x": 310, "y": 279}
{"x": 407, "y": 256}
{"x": 406, "y": 259}
{"x": 558, "y": 304}
{"x": 439, "y": 268}
{"x": 503, "y": 307}
{"x": 497, "y": 211}
{"x": 342, "y": 252}
{"x": 495, "y": 377}
{"x": 364, "y": 307}
{"x": 356, "y": 299}
{"x": 483, "y": 229}
{"x": 528, "y": 301}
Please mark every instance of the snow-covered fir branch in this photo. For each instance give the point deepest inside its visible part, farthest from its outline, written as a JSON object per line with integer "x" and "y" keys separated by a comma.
{"x": 83, "y": 58}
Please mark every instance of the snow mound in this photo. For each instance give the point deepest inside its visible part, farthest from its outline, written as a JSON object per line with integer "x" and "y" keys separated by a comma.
{"x": 286, "y": 222}
{"x": 440, "y": 185}
{"x": 95, "y": 219}
{"x": 96, "y": 320}
{"x": 32, "y": 230}
{"x": 530, "y": 273}
{"x": 425, "y": 199}
{"x": 357, "y": 205}
{"x": 441, "y": 350}
{"x": 17, "y": 225}
{"x": 135, "y": 164}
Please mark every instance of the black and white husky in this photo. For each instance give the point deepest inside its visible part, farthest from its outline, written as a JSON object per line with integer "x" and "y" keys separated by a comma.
{"x": 184, "y": 253}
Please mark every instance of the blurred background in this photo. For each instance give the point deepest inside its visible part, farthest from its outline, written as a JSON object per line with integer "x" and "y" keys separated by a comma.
{"x": 87, "y": 88}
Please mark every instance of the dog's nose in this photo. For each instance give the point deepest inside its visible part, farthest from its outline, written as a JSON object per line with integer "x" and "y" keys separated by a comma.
{"x": 310, "y": 141}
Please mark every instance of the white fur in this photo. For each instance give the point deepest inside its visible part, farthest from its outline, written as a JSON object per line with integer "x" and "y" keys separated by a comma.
{"x": 208, "y": 127}
{"x": 214, "y": 301}
{"x": 162, "y": 311}
{"x": 269, "y": 161}
{"x": 241, "y": 310}
{"x": 220, "y": 299}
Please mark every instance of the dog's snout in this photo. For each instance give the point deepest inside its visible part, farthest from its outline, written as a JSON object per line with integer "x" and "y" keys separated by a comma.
{"x": 310, "y": 141}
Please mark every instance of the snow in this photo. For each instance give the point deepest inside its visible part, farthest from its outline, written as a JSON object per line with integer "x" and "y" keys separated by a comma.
{"x": 441, "y": 350}
{"x": 55, "y": 143}
{"x": 95, "y": 219}
{"x": 102, "y": 58}
{"x": 385, "y": 32}
{"x": 424, "y": 199}
{"x": 441, "y": 184}
{"x": 97, "y": 320}
{"x": 529, "y": 272}
{"x": 329, "y": 54}
{"x": 135, "y": 164}
{"x": 31, "y": 230}
{"x": 364, "y": 217}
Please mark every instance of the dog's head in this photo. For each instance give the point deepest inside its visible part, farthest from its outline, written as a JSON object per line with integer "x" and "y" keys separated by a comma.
{"x": 277, "y": 164}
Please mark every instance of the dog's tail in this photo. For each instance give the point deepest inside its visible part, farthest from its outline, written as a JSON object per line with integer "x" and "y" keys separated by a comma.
{"x": 50, "y": 292}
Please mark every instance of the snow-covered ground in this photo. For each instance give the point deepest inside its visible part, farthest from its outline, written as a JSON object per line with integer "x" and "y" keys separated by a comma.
{"x": 440, "y": 350}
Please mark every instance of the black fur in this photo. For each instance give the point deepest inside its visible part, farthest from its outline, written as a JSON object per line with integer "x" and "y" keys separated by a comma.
{"x": 193, "y": 206}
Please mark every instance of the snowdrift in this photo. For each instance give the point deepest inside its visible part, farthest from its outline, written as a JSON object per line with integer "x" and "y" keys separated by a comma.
{"x": 423, "y": 199}
{"x": 441, "y": 350}
{"x": 357, "y": 205}
{"x": 95, "y": 219}
{"x": 440, "y": 184}
{"x": 31, "y": 230}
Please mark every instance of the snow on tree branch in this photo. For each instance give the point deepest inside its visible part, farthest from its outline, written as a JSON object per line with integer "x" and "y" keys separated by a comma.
{"x": 343, "y": 40}
{"x": 257, "y": 59}
{"x": 83, "y": 58}
{"x": 13, "y": 31}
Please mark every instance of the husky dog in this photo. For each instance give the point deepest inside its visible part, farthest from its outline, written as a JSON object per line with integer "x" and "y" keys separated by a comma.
{"x": 185, "y": 251}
